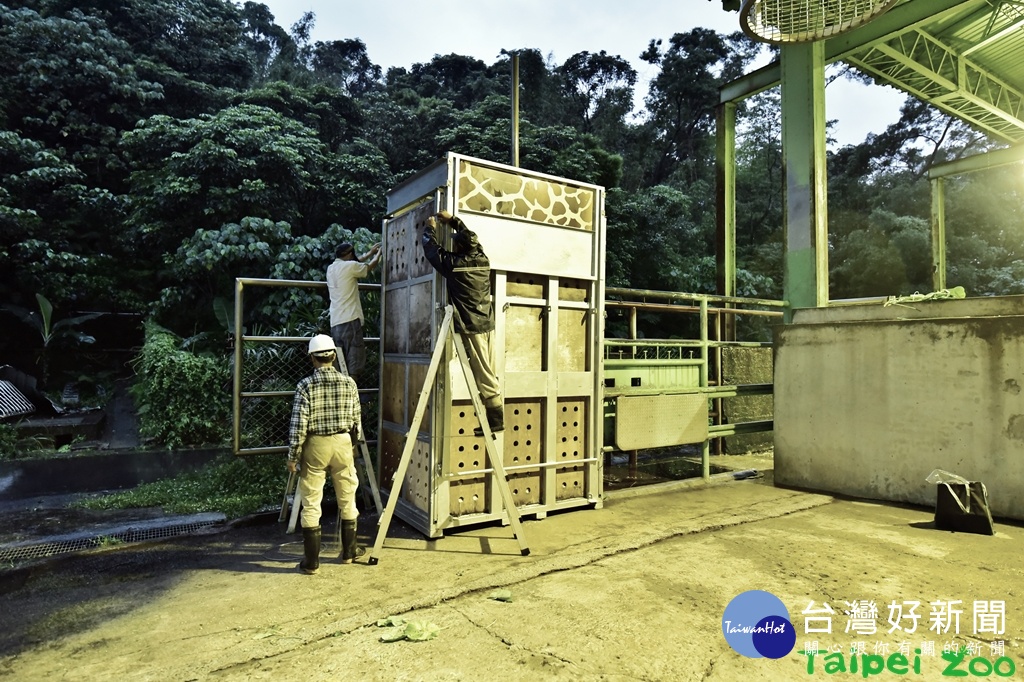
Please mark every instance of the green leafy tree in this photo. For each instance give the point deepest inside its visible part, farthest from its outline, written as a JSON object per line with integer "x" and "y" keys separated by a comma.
{"x": 405, "y": 127}
{"x": 599, "y": 88}
{"x": 266, "y": 42}
{"x": 559, "y": 150}
{"x": 345, "y": 65}
{"x": 193, "y": 49}
{"x": 985, "y": 244}
{"x": 334, "y": 116}
{"x": 206, "y": 264}
{"x": 922, "y": 137}
{"x": 651, "y": 238}
{"x": 681, "y": 102}
{"x": 880, "y": 203}
{"x": 201, "y": 173}
{"x": 68, "y": 86}
{"x": 463, "y": 81}
{"x": 71, "y": 84}
{"x": 306, "y": 258}
{"x": 890, "y": 257}
{"x": 540, "y": 88}
{"x": 47, "y": 223}
{"x": 356, "y": 183}
{"x": 759, "y": 183}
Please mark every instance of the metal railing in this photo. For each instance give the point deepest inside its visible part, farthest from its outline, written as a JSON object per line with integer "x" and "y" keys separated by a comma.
{"x": 268, "y": 367}
{"x": 688, "y": 365}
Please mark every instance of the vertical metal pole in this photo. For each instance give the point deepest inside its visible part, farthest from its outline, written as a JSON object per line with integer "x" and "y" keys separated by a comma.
{"x": 725, "y": 251}
{"x": 704, "y": 342}
{"x": 725, "y": 213}
{"x": 705, "y": 461}
{"x": 938, "y": 234}
{"x": 515, "y": 109}
{"x": 236, "y": 387}
{"x": 632, "y": 330}
{"x": 632, "y": 475}
{"x": 805, "y": 274}
{"x": 725, "y": 197}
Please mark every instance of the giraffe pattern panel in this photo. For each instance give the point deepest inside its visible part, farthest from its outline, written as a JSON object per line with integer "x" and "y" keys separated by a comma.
{"x": 497, "y": 192}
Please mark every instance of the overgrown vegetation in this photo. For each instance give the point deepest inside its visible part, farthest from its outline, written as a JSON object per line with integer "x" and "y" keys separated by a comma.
{"x": 235, "y": 486}
{"x": 8, "y": 441}
{"x": 183, "y": 398}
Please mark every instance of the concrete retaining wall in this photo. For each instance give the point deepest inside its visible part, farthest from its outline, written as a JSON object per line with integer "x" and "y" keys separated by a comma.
{"x": 23, "y": 478}
{"x": 870, "y": 399}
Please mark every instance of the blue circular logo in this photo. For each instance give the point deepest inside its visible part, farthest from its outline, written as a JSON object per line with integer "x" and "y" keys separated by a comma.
{"x": 756, "y": 624}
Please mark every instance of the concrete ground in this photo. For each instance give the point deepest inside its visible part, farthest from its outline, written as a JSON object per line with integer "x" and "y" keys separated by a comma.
{"x": 635, "y": 590}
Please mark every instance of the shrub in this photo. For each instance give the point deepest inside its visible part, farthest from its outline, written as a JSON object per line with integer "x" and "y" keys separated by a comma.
{"x": 183, "y": 399}
{"x": 8, "y": 441}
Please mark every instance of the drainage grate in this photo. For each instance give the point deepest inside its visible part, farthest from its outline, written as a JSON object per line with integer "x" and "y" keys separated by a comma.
{"x": 42, "y": 550}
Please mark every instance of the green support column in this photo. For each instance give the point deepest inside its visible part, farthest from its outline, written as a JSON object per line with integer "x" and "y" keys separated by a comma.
{"x": 805, "y": 270}
{"x": 938, "y": 234}
{"x": 725, "y": 213}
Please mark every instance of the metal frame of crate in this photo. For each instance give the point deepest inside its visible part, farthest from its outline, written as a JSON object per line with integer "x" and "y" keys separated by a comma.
{"x": 545, "y": 238}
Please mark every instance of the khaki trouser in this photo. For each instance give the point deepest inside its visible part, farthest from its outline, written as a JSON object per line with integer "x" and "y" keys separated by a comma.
{"x": 480, "y": 348}
{"x": 322, "y": 454}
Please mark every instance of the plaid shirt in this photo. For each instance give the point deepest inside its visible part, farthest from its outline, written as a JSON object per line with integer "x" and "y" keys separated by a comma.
{"x": 326, "y": 403}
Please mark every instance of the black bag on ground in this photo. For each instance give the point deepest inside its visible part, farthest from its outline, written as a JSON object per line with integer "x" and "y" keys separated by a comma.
{"x": 963, "y": 507}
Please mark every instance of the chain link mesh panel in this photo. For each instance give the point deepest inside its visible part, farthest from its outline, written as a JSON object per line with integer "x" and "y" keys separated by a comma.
{"x": 271, "y": 367}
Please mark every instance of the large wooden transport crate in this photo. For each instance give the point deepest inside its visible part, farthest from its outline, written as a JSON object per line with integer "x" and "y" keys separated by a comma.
{"x": 545, "y": 239}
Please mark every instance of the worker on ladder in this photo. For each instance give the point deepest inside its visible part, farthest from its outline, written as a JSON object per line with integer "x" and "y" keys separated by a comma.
{"x": 467, "y": 271}
{"x": 324, "y": 422}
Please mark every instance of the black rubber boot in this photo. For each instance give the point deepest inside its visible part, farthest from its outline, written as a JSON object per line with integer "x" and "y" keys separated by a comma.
{"x": 350, "y": 550}
{"x": 495, "y": 419}
{"x": 311, "y": 545}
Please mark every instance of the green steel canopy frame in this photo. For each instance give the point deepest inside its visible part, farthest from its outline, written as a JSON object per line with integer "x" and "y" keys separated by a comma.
{"x": 962, "y": 56}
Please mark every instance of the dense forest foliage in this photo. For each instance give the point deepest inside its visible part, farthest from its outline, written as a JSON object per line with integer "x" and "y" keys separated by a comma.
{"x": 153, "y": 150}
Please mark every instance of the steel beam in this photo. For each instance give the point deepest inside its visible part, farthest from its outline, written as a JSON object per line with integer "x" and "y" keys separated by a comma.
{"x": 805, "y": 274}
{"x": 969, "y": 164}
{"x": 725, "y": 197}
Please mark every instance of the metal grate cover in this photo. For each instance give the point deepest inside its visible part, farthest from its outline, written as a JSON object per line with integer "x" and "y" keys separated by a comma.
{"x": 40, "y": 550}
{"x": 800, "y": 21}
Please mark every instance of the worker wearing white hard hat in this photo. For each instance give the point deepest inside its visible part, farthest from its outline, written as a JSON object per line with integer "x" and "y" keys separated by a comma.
{"x": 324, "y": 425}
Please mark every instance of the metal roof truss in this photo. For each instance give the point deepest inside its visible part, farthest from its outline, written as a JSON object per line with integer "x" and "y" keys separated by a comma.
{"x": 933, "y": 71}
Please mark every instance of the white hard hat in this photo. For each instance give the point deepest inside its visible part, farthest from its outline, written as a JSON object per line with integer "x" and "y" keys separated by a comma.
{"x": 321, "y": 343}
